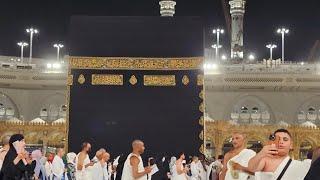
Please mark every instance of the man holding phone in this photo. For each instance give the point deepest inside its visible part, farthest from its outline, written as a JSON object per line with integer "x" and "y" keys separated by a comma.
{"x": 273, "y": 161}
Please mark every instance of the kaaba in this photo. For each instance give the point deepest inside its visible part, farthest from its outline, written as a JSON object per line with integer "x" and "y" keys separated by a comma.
{"x": 136, "y": 78}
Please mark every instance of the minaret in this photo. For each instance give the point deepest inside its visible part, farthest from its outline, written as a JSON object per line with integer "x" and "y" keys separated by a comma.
{"x": 167, "y": 8}
{"x": 237, "y": 10}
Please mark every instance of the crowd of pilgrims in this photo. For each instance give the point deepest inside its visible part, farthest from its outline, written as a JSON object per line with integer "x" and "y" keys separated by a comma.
{"x": 271, "y": 163}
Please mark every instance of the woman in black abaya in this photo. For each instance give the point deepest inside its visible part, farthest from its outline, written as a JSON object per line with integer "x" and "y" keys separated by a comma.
{"x": 17, "y": 166}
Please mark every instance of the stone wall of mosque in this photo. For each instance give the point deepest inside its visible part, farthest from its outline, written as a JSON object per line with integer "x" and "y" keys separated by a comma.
{"x": 28, "y": 104}
{"x": 257, "y": 99}
{"x": 32, "y": 91}
{"x": 286, "y": 93}
{"x": 264, "y": 107}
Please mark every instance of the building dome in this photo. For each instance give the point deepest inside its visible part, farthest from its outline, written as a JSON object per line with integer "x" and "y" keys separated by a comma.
{"x": 283, "y": 124}
{"x": 38, "y": 121}
{"x": 14, "y": 121}
{"x": 59, "y": 121}
{"x": 308, "y": 124}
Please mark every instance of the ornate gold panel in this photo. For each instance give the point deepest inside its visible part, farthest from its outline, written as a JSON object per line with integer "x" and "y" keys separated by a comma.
{"x": 133, "y": 80}
{"x": 159, "y": 80}
{"x": 136, "y": 63}
{"x": 107, "y": 79}
{"x": 81, "y": 79}
{"x": 185, "y": 80}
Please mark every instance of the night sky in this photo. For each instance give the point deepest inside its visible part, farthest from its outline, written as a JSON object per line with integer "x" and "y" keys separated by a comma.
{"x": 261, "y": 20}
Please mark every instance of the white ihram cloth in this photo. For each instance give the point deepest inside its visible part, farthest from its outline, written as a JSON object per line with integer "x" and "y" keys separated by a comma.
{"x": 84, "y": 173}
{"x": 296, "y": 171}
{"x": 175, "y": 175}
{"x": 58, "y": 168}
{"x": 203, "y": 172}
{"x": 48, "y": 169}
{"x": 195, "y": 171}
{"x": 127, "y": 169}
{"x": 100, "y": 172}
{"x": 243, "y": 159}
{"x": 213, "y": 168}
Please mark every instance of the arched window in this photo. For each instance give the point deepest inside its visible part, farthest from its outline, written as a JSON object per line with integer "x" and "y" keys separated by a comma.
{"x": 44, "y": 114}
{"x": 255, "y": 115}
{"x": 2, "y": 111}
{"x": 9, "y": 112}
{"x": 64, "y": 108}
{"x": 311, "y": 111}
{"x": 63, "y": 111}
{"x": 250, "y": 109}
{"x": 301, "y": 117}
{"x": 244, "y": 110}
{"x": 54, "y": 106}
{"x": 53, "y": 112}
{"x": 312, "y": 114}
{"x": 8, "y": 108}
{"x": 244, "y": 115}
{"x": 255, "y": 110}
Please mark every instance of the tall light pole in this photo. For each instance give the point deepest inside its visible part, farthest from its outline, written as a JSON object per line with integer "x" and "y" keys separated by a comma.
{"x": 31, "y": 31}
{"x": 216, "y": 47}
{"x": 22, "y": 45}
{"x": 271, "y": 47}
{"x": 218, "y": 32}
{"x": 58, "y": 46}
{"x": 283, "y": 31}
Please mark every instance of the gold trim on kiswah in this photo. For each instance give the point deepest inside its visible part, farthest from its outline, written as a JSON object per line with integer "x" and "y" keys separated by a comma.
{"x": 200, "y": 80}
{"x": 159, "y": 80}
{"x": 201, "y": 94}
{"x": 70, "y": 80}
{"x": 201, "y": 121}
{"x": 201, "y": 107}
{"x": 107, "y": 79}
{"x": 126, "y": 63}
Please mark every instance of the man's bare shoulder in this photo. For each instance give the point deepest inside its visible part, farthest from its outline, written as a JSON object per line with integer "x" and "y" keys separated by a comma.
{"x": 134, "y": 160}
{"x": 228, "y": 155}
{"x": 82, "y": 155}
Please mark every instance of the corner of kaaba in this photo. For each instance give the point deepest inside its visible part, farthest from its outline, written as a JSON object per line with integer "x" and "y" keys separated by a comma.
{"x": 136, "y": 78}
